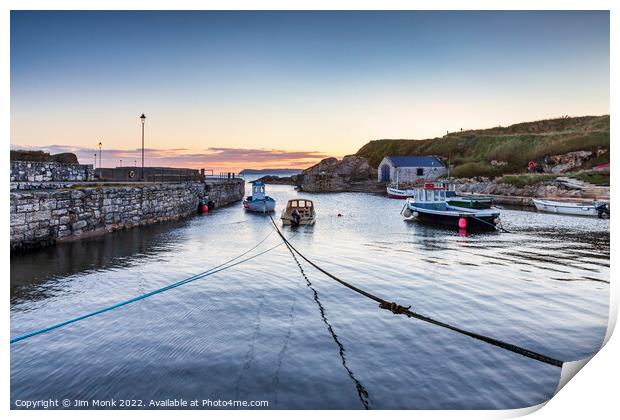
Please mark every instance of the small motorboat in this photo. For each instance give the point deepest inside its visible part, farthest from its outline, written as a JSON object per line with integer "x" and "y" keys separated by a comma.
{"x": 258, "y": 201}
{"x": 395, "y": 192}
{"x": 596, "y": 209}
{"x": 299, "y": 211}
{"x": 430, "y": 205}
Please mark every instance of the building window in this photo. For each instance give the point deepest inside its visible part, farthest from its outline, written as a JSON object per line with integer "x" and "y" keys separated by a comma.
{"x": 420, "y": 171}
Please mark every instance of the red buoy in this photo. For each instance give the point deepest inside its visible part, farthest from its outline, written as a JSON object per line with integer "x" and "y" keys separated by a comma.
{"x": 204, "y": 209}
{"x": 462, "y": 223}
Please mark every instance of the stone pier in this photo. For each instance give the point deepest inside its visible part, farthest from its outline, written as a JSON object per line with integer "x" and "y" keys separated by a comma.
{"x": 42, "y": 213}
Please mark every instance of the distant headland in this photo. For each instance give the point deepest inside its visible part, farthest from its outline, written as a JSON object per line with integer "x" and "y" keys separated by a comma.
{"x": 270, "y": 171}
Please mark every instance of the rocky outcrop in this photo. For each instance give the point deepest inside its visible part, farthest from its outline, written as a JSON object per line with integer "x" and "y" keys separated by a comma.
{"x": 565, "y": 162}
{"x": 352, "y": 173}
{"x": 549, "y": 189}
{"x": 279, "y": 180}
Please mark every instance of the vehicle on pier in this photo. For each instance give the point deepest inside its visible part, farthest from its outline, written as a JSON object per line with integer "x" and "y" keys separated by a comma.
{"x": 299, "y": 211}
{"x": 258, "y": 201}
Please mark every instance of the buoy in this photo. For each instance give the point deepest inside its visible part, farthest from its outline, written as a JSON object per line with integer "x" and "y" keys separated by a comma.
{"x": 407, "y": 212}
{"x": 205, "y": 209}
{"x": 462, "y": 223}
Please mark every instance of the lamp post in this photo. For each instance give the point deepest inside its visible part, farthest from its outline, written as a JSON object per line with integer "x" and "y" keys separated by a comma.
{"x": 95, "y": 164}
{"x": 142, "y": 120}
{"x": 121, "y": 163}
{"x": 100, "y": 154}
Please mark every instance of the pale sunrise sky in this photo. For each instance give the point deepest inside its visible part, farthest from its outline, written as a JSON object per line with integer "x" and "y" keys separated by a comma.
{"x": 233, "y": 90}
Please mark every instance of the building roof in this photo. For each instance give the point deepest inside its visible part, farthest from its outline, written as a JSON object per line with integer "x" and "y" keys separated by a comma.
{"x": 419, "y": 161}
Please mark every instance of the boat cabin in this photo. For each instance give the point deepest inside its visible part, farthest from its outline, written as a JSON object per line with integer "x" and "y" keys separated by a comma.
{"x": 258, "y": 190}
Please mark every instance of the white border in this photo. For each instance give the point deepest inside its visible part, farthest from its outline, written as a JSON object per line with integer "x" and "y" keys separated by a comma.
{"x": 593, "y": 394}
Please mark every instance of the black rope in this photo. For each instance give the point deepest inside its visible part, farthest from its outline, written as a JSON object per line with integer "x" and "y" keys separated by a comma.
{"x": 361, "y": 390}
{"x": 500, "y": 227}
{"x": 405, "y": 310}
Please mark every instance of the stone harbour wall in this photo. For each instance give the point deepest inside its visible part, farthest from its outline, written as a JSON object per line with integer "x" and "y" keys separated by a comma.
{"x": 27, "y": 171}
{"x": 222, "y": 193}
{"x": 40, "y": 217}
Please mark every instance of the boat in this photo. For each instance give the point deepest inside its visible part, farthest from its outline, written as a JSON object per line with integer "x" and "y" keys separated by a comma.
{"x": 596, "y": 208}
{"x": 430, "y": 205}
{"x": 394, "y": 192}
{"x": 258, "y": 201}
{"x": 470, "y": 202}
{"x": 299, "y": 211}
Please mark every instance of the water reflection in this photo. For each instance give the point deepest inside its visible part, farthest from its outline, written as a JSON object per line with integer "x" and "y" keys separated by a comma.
{"x": 117, "y": 250}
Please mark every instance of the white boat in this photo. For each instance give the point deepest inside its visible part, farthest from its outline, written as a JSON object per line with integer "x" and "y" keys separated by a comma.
{"x": 596, "y": 209}
{"x": 298, "y": 211}
{"x": 394, "y": 192}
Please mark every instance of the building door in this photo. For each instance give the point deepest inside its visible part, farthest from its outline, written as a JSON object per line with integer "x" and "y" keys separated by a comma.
{"x": 385, "y": 173}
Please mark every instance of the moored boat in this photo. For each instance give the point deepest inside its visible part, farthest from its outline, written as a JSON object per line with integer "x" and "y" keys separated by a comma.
{"x": 430, "y": 205}
{"x": 298, "y": 211}
{"x": 596, "y": 209}
{"x": 258, "y": 201}
{"x": 395, "y": 192}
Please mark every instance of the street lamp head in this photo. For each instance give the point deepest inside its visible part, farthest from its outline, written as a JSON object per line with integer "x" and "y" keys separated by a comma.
{"x": 142, "y": 118}
{"x": 100, "y": 144}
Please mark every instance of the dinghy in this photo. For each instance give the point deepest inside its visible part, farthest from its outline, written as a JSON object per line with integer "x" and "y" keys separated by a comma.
{"x": 596, "y": 209}
{"x": 258, "y": 201}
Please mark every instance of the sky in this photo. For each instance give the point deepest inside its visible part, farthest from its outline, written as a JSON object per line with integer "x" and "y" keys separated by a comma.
{"x": 234, "y": 90}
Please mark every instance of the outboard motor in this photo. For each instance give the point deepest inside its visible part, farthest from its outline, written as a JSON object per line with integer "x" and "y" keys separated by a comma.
{"x": 295, "y": 218}
{"x": 602, "y": 209}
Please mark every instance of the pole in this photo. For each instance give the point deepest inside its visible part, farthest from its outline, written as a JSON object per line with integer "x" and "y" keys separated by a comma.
{"x": 121, "y": 163}
{"x": 95, "y": 164}
{"x": 142, "y": 151}
{"x": 99, "y": 154}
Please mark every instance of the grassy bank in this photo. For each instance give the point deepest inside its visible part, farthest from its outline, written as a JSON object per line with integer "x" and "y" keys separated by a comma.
{"x": 471, "y": 152}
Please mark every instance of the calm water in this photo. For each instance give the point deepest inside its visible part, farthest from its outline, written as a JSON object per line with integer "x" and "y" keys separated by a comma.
{"x": 258, "y": 331}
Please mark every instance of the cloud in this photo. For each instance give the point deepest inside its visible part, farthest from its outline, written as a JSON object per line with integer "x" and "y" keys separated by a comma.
{"x": 218, "y": 158}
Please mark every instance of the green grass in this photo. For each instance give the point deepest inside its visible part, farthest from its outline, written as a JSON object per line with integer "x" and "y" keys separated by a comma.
{"x": 471, "y": 152}
{"x": 524, "y": 180}
{"x": 594, "y": 177}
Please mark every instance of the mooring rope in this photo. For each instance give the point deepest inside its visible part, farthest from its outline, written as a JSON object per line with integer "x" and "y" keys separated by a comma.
{"x": 213, "y": 270}
{"x": 361, "y": 390}
{"x": 500, "y": 227}
{"x": 405, "y": 310}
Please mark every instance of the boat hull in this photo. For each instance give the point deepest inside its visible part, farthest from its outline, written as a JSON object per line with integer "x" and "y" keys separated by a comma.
{"x": 260, "y": 206}
{"x": 573, "y": 209}
{"x": 446, "y": 215}
{"x": 481, "y": 223}
{"x": 398, "y": 194}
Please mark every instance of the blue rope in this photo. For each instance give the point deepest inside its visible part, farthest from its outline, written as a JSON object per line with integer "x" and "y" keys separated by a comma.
{"x": 209, "y": 272}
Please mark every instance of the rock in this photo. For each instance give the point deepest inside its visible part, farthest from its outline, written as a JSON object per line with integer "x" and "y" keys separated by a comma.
{"x": 565, "y": 162}
{"x": 278, "y": 180}
{"x": 333, "y": 175}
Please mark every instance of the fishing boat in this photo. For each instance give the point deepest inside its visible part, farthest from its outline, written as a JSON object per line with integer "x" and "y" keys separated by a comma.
{"x": 596, "y": 209}
{"x": 452, "y": 198}
{"x": 299, "y": 211}
{"x": 430, "y": 205}
{"x": 258, "y": 201}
